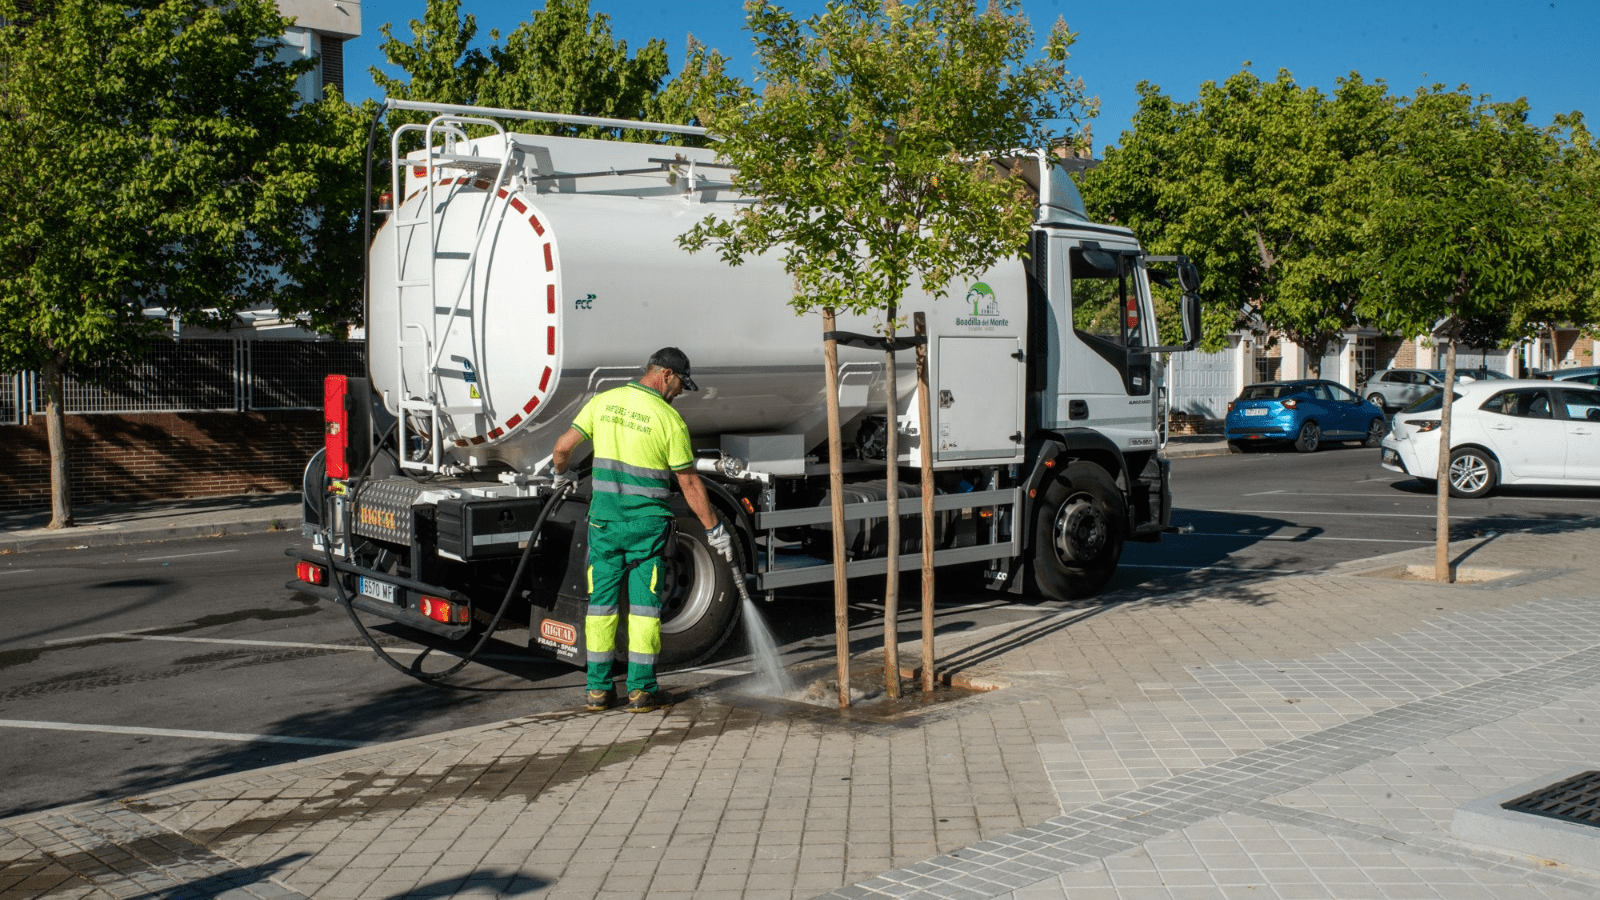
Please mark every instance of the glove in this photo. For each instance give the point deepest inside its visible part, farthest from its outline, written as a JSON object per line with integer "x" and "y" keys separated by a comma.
{"x": 720, "y": 541}
{"x": 559, "y": 480}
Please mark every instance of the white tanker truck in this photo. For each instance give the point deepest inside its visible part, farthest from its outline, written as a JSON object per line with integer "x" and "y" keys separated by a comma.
{"x": 517, "y": 275}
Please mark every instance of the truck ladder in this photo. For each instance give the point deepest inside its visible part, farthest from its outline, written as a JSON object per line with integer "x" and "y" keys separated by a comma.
{"x": 441, "y": 136}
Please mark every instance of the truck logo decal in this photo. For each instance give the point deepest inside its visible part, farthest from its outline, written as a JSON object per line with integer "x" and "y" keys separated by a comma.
{"x": 586, "y": 302}
{"x": 985, "y": 308}
{"x": 378, "y": 518}
{"x": 559, "y": 632}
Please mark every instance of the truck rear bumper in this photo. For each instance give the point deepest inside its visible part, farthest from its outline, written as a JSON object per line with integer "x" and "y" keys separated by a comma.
{"x": 405, "y": 591}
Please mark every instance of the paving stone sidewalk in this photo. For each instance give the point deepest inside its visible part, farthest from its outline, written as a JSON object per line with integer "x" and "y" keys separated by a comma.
{"x": 1306, "y": 736}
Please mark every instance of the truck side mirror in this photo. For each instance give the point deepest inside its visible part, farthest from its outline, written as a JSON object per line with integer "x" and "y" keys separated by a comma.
{"x": 1190, "y": 311}
{"x": 1188, "y": 277}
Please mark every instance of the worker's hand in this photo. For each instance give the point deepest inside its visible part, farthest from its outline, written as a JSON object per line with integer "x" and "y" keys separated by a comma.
{"x": 720, "y": 541}
{"x": 560, "y": 480}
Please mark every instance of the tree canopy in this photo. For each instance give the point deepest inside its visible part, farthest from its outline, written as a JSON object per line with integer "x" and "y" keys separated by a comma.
{"x": 867, "y": 150}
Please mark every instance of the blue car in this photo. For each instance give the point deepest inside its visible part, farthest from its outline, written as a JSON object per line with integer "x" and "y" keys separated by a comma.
{"x": 1305, "y": 412}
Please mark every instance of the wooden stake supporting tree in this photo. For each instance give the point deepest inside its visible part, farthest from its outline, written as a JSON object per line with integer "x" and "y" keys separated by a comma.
{"x": 925, "y": 446}
{"x": 866, "y": 153}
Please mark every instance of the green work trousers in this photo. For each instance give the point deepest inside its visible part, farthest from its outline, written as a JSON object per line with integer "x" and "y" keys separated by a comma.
{"x": 625, "y": 555}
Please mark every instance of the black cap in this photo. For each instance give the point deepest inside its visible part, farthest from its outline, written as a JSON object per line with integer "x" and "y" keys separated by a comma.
{"x": 673, "y": 358}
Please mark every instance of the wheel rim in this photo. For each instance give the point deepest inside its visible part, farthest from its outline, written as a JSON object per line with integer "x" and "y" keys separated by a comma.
{"x": 689, "y": 586}
{"x": 1375, "y": 431}
{"x": 1309, "y": 435}
{"x": 1469, "y": 473}
{"x": 1081, "y": 531}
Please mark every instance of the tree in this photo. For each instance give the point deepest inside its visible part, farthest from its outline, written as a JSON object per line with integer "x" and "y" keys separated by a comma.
{"x": 1247, "y": 180}
{"x": 1467, "y": 226}
{"x": 154, "y": 155}
{"x": 867, "y": 156}
{"x": 563, "y": 60}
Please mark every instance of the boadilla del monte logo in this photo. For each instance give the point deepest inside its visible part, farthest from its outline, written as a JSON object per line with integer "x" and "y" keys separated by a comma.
{"x": 985, "y": 307}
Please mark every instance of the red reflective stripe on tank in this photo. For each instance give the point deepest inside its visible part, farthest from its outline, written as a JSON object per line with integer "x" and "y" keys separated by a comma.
{"x": 544, "y": 380}
{"x": 550, "y": 339}
{"x": 461, "y": 443}
{"x": 537, "y": 228}
{"x": 497, "y": 432}
{"x": 550, "y": 298}
{"x": 419, "y": 171}
{"x": 481, "y": 185}
{"x": 514, "y": 421}
{"x": 477, "y": 439}
{"x": 528, "y": 407}
{"x": 501, "y": 193}
{"x": 549, "y": 263}
{"x": 518, "y": 205}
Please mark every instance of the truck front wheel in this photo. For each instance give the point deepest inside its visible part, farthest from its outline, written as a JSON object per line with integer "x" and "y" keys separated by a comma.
{"x": 1078, "y": 533}
{"x": 699, "y": 601}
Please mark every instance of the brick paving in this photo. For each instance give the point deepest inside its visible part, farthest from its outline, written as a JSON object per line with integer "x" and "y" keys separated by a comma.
{"x": 1291, "y": 737}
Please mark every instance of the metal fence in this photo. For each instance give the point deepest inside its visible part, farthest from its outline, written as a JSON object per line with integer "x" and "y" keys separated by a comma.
{"x": 201, "y": 375}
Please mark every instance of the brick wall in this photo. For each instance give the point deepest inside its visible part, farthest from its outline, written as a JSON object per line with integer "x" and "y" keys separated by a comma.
{"x": 158, "y": 456}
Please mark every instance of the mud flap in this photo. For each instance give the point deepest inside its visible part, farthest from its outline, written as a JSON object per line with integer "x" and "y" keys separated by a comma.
{"x": 558, "y": 632}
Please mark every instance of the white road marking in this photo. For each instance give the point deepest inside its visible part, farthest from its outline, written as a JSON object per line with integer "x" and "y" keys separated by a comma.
{"x": 86, "y": 638}
{"x": 1264, "y": 493}
{"x": 1303, "y": 539}
{"x": 184, "y": 555}
{"x": 1128, "y": 565}
{"x": 285, "y": 645}
{"x": 182, "y": 733}
{"x": 15, "y": 571}
{"x": 1299, "y": 512}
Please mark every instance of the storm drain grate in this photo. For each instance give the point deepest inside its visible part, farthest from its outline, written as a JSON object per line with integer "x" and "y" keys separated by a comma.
{"x": 1576, "y": 800}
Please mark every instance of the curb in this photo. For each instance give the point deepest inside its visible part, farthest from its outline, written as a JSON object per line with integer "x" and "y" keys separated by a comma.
{"x": 86, "y": 537}
{"x": 1174, "y": 451}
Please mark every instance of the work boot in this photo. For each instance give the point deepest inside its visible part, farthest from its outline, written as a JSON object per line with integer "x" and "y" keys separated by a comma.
{"x": 599, "y": 701}
{"x": 644, "y": 701}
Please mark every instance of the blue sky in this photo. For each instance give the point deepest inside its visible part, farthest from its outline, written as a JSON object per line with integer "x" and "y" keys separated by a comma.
{"x": 1546, "y": 51}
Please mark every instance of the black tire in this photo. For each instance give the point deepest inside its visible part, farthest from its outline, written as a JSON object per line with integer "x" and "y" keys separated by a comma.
{"x": 699, "y": 600}
{"x": 1078, "y": 533}
{"x": 1473, "y": 473}
{"x": 1376, "y": 429}
{"x": 1310, "y": 437}
{"x": 1376, "y": 399}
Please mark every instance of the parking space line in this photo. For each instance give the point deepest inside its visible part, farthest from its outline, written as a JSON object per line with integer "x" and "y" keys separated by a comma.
{"x": 15, "y": 571}
{"x": 1128, "y": 565}
{"x": 1302, "y": 539}
{"x": 184, "y": 733}
{"x": 277, "y": 645}
{"x": 1364, "y": 515}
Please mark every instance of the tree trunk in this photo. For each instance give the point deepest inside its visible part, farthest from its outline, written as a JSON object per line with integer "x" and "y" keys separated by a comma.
{"x": 56, "y": 427}
{"x": 1441, "y": 544}
{"x": 891, "y": 579}
{"x": 925, "y": 428}
{"x": 841, "y": 590}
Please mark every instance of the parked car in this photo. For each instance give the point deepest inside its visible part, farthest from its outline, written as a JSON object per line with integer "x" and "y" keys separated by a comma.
{"x": 1583, "y": 374}
{"x": 1524, "y": 432}
{"x": 1306, "y": 412}
{"x": 1399, "y": 388}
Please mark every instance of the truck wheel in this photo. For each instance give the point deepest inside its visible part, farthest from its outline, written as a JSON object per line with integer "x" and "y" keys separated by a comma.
{"x": 1078, "y": 534}
{"x": 699, "y": 601}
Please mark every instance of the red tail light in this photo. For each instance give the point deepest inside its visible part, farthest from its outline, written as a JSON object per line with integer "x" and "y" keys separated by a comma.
{"x": 336, "y": 425}
{"x": 1290, "y": 404}
{"x": 442, "y": 610}
{"x": 311, "y": 573}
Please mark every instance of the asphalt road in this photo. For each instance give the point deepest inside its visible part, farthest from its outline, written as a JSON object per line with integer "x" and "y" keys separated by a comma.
{"x": 131, "y": 668}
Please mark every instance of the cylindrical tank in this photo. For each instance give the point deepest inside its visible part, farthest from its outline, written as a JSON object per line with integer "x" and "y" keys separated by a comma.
{"x": 512, "y": 306}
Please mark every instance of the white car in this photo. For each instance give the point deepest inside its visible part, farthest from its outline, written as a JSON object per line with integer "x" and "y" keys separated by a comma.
{"x": 1502, "y": 432}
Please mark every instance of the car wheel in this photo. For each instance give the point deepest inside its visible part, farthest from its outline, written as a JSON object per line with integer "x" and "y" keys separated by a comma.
{"x": 1376, "y": 429}
{"x": 1078, "y": 534}
{"x": 1310, "y": 437}
{"x": 1376, "y": 399}
{"x": 1473, "y": 473}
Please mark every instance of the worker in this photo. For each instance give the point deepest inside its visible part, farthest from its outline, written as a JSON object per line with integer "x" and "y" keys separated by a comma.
{"x": 640, "y": 446}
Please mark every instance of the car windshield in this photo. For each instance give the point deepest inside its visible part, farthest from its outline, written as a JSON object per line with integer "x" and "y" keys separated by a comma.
{"x": 1431, "y": 403}
{"x": 1270, "y": 391}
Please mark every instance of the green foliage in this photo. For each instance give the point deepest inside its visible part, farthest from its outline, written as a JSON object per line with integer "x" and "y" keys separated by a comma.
{"x": 563, "y": 60}
{"x": 1471, "y": 218}
{"x": 154, "y": 159}
{"x": 1249, "y": 181}
{"x": 866, "y": 150}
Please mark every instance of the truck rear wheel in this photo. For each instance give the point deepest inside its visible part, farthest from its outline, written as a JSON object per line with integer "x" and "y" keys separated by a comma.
{"x": 1078, "y": 533}
{"x": 699, "y": 601}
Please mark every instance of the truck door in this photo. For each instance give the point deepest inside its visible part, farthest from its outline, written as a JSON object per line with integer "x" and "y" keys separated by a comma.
{"x": 1105, "y": 380}
{"x": 977, "y": 395}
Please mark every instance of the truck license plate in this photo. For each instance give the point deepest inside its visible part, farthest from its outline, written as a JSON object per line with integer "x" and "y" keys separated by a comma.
{"x": 377, "y": 590}
{"x": 1256, "y": 411}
